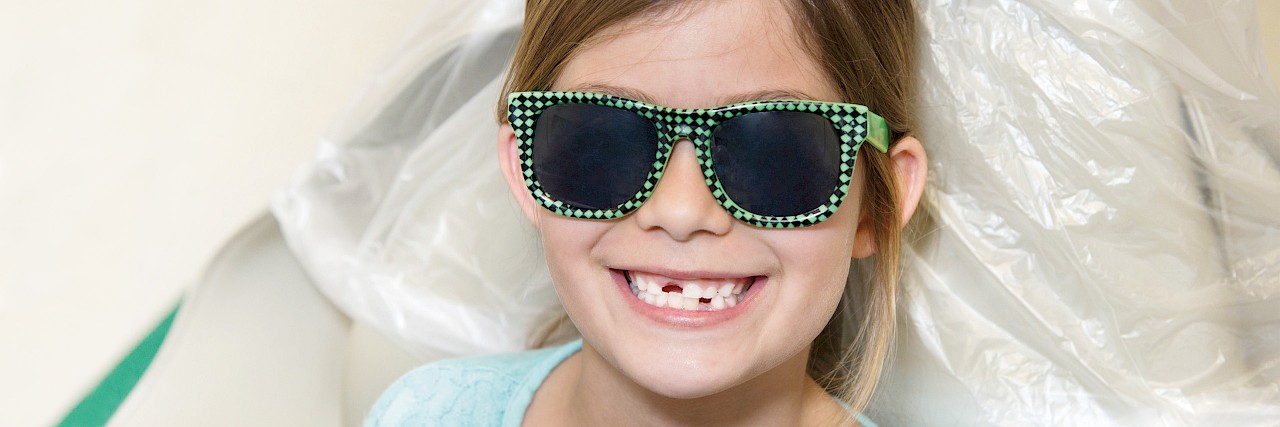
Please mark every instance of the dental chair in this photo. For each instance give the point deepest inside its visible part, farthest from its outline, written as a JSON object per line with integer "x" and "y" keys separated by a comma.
{"x": 1099, "y": 243}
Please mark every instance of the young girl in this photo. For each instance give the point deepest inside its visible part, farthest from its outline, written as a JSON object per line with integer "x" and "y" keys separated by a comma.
{"x": 701, "y": 174}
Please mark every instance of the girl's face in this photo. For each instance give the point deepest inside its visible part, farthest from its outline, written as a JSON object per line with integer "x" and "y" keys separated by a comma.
{"x": 718, "y": 53}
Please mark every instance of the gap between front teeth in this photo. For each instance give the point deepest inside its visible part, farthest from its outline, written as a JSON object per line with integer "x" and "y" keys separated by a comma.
{"x": 720, "y": 295}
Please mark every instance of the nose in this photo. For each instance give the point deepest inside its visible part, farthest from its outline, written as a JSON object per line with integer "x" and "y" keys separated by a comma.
{"x": 681, "y": 205}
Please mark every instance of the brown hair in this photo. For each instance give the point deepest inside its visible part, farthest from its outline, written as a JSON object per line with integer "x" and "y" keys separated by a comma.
{"x": 867, "y": 48}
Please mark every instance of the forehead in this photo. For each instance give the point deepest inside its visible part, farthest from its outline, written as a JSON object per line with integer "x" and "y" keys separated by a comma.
{"x": 709, "y": 54}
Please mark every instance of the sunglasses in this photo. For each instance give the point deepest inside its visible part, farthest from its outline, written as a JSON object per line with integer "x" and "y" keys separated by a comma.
{"x": 773, "y": 164}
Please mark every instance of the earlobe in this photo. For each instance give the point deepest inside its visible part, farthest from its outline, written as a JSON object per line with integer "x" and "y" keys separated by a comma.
{"x": 509, "y": 162}
{"x": 864, "y": 243}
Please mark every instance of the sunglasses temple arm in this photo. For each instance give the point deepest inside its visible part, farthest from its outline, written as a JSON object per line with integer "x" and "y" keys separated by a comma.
{"x": 877, "y": 132}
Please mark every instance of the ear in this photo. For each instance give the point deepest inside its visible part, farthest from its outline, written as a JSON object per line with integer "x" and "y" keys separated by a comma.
{"x": 509, "y": 162}
{"x": 910, "y": 167}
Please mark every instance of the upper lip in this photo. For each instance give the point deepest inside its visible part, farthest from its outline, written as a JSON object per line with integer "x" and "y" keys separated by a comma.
{"x": 686, "y": 274}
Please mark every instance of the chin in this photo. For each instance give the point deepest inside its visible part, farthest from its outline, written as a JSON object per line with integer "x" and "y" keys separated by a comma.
{"x": 687, "y": 388}
{"x": 691, "y": 380}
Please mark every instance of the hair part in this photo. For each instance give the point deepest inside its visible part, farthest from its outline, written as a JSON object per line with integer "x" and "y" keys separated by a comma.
{"x": 867, "y": 49}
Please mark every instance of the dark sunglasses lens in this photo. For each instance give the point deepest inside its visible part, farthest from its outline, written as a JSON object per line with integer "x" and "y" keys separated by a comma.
{"x": 777, "y": 163}
{"x": 592, "y": 156}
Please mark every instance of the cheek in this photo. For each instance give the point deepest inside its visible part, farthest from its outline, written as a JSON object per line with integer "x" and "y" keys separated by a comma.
{"x": 819, "y": 255}
{"x": 565, "y": 238}
{"x": 568, "y": 244}
{"x": 824, "y": 267}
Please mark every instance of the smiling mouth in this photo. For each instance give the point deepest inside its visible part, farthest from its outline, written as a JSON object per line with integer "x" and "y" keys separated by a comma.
{"x": 688, "y": 294}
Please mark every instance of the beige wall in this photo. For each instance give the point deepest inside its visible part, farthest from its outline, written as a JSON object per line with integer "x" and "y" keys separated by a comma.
{"x": 1269, "y": 17}
{"x": 137, "y": 135}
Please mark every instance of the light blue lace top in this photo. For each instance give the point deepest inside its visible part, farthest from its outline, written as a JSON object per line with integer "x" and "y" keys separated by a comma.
{"x": 479, "y": 391}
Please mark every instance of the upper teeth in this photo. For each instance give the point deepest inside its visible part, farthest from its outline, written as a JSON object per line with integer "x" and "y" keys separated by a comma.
{"x": 720, "y": 293}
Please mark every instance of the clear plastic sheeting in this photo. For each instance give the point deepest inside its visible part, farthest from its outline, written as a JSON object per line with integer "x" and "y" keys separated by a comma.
{"x": 404, "y": 221}
{"x": 1103, "y": 240}
{"x": 1099, "y": 244}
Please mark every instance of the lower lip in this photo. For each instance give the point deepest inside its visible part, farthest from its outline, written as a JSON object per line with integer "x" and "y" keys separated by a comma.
{"x": 686, "y": 319}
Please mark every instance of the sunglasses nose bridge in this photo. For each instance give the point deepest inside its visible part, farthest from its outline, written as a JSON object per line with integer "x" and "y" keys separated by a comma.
{"x": 680, "y": 203}
{"x": 681, "y": 131}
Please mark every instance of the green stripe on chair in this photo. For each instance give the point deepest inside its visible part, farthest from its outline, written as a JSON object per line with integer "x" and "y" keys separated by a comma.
{"x": 98, "y": 406}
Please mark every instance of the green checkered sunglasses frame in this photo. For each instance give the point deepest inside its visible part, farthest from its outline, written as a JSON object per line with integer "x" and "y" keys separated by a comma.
{"x": 850, "y": 126}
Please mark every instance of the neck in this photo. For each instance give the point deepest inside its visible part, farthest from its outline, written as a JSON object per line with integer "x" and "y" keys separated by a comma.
{"x": 588, "y": 390}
